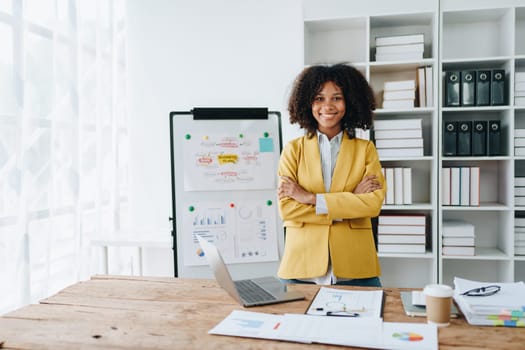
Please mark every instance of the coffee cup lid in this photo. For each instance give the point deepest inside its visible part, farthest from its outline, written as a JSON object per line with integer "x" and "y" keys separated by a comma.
{"x": 438, "y": 290}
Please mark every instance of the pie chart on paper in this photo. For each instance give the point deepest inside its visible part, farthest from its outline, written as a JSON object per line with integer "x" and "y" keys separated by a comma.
{"x": 407, "y": 336}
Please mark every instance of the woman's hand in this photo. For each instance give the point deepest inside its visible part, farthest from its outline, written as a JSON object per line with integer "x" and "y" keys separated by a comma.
{"x": 367, "y": 185}
{"x": 290, "y": 189}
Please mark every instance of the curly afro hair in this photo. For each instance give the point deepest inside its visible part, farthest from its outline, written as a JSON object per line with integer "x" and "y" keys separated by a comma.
{"x": 358, "y": 95}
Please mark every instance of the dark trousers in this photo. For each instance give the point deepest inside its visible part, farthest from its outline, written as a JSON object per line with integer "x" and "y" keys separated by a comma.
{"x": 361, "y": 282}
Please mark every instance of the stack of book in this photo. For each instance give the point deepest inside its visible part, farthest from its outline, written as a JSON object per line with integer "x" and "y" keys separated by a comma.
{"x": 519, "y": 142}
{"x": 398, "y": 233}
{"x": 458, "y": 238}
{"x": 460, "y": 186}
{"x": 519, "y": 89}
{"x": 424, "y": 86}
{"x": 399, "y": 94}
{"x": 398, "y": 137}
{"x": 519, "y": 236}
{"x": 398, "y": 185}
{"x": 519, "y": 191}
{"x": 400, "y": 47}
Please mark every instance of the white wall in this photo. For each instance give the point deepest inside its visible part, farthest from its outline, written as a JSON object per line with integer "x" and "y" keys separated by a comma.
{"x": 184, "y": 54}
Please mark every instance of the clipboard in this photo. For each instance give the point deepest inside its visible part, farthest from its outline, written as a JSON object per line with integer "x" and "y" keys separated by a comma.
{"x": 347, "y": 303}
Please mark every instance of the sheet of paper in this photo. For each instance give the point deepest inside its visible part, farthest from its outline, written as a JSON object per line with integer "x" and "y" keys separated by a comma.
{"x": 353, "y": 331}
{"x": 342, "y": 302}
{"x": 252, "y": 325}
{"x": 348, "y": 331}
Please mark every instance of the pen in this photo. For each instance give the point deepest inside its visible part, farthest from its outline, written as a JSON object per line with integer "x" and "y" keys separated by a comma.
{"x": 331, "y": 313}
{"x": 340, "y": 313}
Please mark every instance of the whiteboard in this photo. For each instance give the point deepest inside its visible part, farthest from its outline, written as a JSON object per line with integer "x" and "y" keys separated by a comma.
{"x": 224, "y": 180}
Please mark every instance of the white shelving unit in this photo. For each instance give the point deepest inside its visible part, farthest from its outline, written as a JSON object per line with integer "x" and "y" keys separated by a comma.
{"x": 459, "y": 34}
{"x": 484, "y": 36}
{"x": 352, "y": 40}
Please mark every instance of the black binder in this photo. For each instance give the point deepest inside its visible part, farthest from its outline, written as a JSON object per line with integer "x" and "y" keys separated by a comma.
{"x": 497, "y": 87}
{"x": 464, "y": 138}
{"x": 494, "y": 138}
{"x": 468, "y": 88}
{"x": 449, "y": 138}
{"x": 479, "y": 138}
{"x": 452, "y": 89}
{"x": 483, "y": 87}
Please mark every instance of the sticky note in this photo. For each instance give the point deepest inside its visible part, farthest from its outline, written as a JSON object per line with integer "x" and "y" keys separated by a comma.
{"x": 266, "y": 145}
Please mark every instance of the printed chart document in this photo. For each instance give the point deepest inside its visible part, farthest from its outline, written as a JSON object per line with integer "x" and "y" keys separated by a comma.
{"x": 348, "y": 331}
{"x": 343, "y": 302}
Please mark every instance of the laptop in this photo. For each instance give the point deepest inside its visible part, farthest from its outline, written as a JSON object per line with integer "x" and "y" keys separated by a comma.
{"x": 249, "y": 292}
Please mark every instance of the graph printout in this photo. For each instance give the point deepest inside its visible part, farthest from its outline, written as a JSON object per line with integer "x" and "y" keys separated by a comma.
{"x": 243, "y": 231}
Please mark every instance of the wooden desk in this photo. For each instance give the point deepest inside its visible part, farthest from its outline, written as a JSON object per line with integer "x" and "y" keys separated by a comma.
{"x": 118, "y": 312}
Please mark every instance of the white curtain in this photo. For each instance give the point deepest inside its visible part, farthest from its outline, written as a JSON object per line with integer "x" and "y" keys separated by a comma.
{"x": 63, "y": 141}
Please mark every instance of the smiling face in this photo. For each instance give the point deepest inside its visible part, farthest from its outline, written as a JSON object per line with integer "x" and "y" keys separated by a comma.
{"x": 329, "y": 108}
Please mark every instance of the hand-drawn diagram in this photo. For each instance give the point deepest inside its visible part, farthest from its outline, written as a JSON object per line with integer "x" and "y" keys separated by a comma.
{"x": 223, "y": 163}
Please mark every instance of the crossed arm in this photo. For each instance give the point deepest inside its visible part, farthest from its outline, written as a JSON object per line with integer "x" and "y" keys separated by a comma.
{"x": 290, "y": 189}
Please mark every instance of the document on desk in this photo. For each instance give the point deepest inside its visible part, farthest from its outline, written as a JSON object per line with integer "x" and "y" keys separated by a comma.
{"x": 348, "y": 331}
{"x": 344, "y": 302}
{"x": 506, "y": 307}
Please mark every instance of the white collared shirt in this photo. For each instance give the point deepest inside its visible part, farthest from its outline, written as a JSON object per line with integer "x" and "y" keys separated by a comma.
{"x": 329, "y": 150}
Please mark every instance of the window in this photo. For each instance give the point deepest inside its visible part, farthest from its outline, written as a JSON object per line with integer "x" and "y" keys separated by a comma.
{"x": 63, "y": 140}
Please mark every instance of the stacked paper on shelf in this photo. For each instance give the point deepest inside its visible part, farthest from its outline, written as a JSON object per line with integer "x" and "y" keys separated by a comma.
{"x": 519, "y": 141}
{"x": 504, "y": 308}
{"x": 399, "y": 138}
{"x": 519, "y": 191}
{"x": 399, "y": 94}
{"x": 458, "y": 238}
{"x": 401, "y": 233}
{"x": 400, "y": 47}
{"x": 519, "y": 235}
{"x": 519, "y": 89}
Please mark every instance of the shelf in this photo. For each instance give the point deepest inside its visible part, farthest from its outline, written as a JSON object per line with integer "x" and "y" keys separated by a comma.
{"x": 460, "y": 35}
{"x": 482, "y": 207}
{"x": 475, "y": 62}
{"x": 392, "y": 66}
{"x": 324, "y": 38}
{"x": 464, "y": 31}
{"x": 427, "y": 255}
{"x": 475, "y": 158}
{"x": 481, "y": 254}
{"x": 405, "y": 158}
{"x": 409, "y": 112}
{"x": 410, "y": 207}
{"x": 476, "y": 109}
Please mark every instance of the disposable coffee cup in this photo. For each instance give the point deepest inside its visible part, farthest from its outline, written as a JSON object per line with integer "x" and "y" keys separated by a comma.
{"x": 438, "y": 298}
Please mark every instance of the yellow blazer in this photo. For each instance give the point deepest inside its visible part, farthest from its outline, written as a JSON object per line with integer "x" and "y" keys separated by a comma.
{"x": 312, "y": 239}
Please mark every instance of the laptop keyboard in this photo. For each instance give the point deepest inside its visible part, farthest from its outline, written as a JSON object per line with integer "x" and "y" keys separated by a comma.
{"x": 252, "y": 292}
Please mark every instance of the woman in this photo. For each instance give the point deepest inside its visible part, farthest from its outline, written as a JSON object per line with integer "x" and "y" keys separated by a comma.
{"x": 330, "y": 182}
